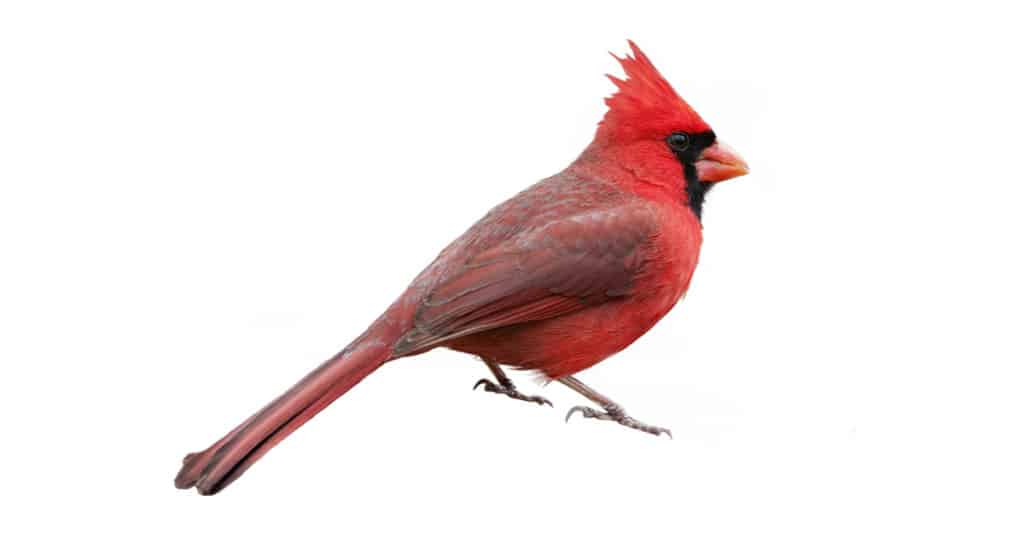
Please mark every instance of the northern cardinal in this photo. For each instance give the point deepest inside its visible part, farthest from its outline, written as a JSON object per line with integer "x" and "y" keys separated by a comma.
{"x": 556, "y": 279}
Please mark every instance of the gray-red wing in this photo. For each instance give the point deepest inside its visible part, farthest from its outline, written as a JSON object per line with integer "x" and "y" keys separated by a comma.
{"x": 561, "y": 267}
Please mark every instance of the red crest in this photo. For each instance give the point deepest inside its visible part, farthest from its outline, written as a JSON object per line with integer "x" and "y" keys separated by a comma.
{"x": 645, "y": 104}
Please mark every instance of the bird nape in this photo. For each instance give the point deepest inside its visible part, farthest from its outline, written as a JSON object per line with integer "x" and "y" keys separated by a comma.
{"x": 556, "y": 279}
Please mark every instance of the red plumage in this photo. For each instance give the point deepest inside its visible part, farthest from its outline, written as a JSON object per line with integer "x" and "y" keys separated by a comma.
{"x": 556, "y": 279}
{"x": 644, "y": 104}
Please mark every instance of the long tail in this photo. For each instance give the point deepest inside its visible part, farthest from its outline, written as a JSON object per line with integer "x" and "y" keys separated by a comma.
{"x": 217, "y": 466}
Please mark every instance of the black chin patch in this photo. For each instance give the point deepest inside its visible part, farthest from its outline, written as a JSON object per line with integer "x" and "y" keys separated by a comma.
{"x": 695, "y": 189}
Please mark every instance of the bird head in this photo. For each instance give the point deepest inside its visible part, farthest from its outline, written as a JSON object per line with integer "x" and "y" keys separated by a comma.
{"x": 647, "y": 118}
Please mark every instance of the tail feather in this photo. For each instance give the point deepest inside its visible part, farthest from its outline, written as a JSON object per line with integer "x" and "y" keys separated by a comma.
{"x": 217, "y": 466}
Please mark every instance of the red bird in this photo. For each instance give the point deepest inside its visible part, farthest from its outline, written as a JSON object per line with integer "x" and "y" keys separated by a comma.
{"x": 556, "y": 279}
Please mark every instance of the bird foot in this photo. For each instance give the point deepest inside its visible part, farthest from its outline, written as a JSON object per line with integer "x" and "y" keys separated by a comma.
{"x": 616, "y": 414}
{"x": 510, "y": 391}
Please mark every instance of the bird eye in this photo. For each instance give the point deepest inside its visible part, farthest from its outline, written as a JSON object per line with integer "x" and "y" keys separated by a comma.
{"x": 678, "y": 141}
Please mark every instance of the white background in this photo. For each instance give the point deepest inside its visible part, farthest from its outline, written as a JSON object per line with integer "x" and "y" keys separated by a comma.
{"x": 200, "y": 201}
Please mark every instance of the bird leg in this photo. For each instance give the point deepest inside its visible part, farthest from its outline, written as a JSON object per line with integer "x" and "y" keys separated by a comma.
{"x": 612, "y": 411}
{"x": 505, "y": 385}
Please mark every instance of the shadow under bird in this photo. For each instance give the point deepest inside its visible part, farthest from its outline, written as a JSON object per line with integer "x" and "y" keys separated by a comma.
{"x": 556, "y": 279}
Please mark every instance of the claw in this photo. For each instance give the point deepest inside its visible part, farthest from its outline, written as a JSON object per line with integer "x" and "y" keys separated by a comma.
{"x": 511, "y": 392}
{"x": 579, "y": 408}
{"x": 532, "y": 399}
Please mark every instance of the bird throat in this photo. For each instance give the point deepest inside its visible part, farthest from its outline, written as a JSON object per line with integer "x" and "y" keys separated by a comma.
{"x": 695, "y": 189}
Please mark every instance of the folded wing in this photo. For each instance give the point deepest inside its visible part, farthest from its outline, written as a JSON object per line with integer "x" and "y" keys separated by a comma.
{"x": 561, "y": 267}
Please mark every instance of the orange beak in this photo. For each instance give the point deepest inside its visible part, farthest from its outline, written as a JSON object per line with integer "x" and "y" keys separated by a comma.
{"x": 719, "y": 162}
